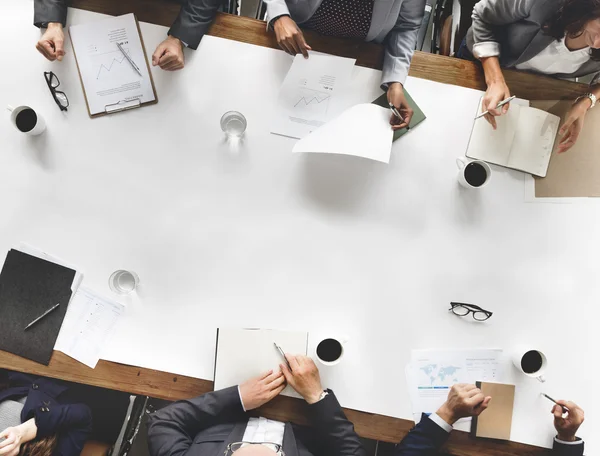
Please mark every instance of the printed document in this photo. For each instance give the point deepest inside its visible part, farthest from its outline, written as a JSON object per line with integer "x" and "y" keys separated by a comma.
{"x": 89, "y": 322}
{"x": 108, "y": 77}
{"x": 307, "y": 95}
{"x": 431, "y": 374}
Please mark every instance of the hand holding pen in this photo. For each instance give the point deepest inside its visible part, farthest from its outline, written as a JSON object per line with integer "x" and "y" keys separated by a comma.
{"x": 401, "y": 111}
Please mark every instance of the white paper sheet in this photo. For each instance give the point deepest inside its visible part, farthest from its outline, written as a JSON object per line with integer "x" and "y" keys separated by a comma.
{"x": 89, "y": 322}
{"x": 363, "y": 131}
{"x": 107, "y": 75}
{"x": 246, "y": 353}
{"x": 431, "y": 374}
{"x": 307, "y": 96}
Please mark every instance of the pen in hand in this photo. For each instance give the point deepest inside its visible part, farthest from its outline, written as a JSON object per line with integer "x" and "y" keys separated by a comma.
{"x": 282, "y": 353}
{"x": 564, "y": 409}
{"x": 397, "y": 114}
{"x": 502, "y": 103}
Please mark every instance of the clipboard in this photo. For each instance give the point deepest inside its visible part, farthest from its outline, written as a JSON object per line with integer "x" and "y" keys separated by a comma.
{"x": 125, "y": 104}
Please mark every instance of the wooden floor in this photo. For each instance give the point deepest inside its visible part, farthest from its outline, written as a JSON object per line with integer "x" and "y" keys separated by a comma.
{"x": 168, "y": 386}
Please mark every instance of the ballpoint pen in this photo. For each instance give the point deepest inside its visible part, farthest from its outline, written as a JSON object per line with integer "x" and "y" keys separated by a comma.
{"x": 41, "y": 316}
{"x": 283, "y": 354}
{"x": 135, "y": 67}
{"x": 502, "y": 103}
{"x": 564, "y": 409}
{"x": 397, "y": 114}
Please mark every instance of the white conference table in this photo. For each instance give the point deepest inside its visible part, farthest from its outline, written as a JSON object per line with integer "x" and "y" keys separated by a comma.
{"x": 251, "y": 235}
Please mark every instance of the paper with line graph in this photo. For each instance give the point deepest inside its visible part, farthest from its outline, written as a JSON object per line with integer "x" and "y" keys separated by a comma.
{"x": 308, "y": 93}
{"x": 106, "y": 73}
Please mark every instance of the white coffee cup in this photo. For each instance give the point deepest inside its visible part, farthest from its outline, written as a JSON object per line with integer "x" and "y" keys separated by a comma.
{"x": 335, "y": 345}
{"x": 517, "y": 358}
{"x": 38, "y": 128}
{"x": 462, "y": 164}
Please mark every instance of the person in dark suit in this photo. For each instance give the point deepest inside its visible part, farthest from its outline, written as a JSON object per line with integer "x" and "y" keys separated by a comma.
{"x": 38, "y": 418}
{"x": 188, "y": 29}
{"x": 217, "y": 423}
{"x": 427, "y": 437}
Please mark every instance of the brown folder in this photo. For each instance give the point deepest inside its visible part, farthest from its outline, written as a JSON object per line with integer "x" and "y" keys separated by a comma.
{"x": 495, "y": 422}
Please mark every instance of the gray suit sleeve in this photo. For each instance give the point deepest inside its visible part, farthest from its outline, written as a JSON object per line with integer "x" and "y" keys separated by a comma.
{"x": 276, "y": 8}
{"x": 194, "y": 20}
{"x": 488, "y": 16}
{"x": 401, "y": 41}
{"x": 45, "y": 11}
{"x": 336, "y": 431}
{"x": 171, "y": 430}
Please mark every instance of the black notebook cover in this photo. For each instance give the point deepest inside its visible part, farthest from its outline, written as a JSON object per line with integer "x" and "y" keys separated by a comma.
{"x": 29, "y": 286}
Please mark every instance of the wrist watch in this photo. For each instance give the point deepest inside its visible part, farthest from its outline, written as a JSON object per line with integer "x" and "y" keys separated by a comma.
{"x": 323, "y": 395}
{"x": 591, "y": 96}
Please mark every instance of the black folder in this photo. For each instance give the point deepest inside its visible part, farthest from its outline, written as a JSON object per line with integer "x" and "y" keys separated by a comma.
{"x": 29, "y": 286}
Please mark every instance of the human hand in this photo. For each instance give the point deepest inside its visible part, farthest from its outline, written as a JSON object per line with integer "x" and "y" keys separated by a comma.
{"x": 260, "y": 390}
{"x": 395, "y": 95}
{"x": 566, "y": 428}
{"x": 11, "y": 446}
{"x": 304, "y": 377}
{"x": 463, "y": 400}
{"x": 573, "y": 124}
{"x": 169, "y": 54}
{"x": 51, "y": 44}
{"x": 289, "y": 37}
{"x": 495, "y": 93}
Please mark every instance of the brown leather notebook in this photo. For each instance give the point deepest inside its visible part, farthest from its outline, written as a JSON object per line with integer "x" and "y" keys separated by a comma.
{"x": 495, "y": 422}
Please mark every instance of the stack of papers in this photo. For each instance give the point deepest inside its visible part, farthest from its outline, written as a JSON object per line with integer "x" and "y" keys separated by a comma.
{"x": 89, "y": 322}
{"x": 431, "y": 374}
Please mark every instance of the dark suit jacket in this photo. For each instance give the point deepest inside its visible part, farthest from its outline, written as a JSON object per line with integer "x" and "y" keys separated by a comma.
{"x": 47, "y": 402}
{"x": 204, "y": 426}
{"x": 193, "y": 21}
{"x": 426, "y": 439}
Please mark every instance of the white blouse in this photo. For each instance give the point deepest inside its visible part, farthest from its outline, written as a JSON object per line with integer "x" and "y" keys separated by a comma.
{"x": 557, "y": 58}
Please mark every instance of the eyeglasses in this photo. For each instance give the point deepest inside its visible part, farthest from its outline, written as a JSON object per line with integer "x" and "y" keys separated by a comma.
{"x": 59, "y": 97}
{"x": 233, "y": 447}
{"x": 461, "y": 309}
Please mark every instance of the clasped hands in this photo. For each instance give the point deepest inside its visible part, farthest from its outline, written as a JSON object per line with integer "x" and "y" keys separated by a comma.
{"x": 303, "y": 377}
{"x": 168, "y": 54}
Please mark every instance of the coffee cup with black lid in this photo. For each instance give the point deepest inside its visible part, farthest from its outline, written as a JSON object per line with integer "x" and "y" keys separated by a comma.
{"x": 330, "y": 350}
{"x": 27, "y": 120}
{"x": 473, "y": 174}
{"x": 531, "y": 362}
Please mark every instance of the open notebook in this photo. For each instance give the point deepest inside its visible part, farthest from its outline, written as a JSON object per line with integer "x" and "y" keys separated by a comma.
{"x": 523, "y": 140}
{"x": 246, "y": 353}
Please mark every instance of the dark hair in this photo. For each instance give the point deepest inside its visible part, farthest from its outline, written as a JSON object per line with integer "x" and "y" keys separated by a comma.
{"x": 40, "y": 447}
{"x": 571, "y": 18}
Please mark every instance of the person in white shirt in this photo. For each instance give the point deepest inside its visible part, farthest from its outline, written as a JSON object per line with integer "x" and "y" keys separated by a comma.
{"x": 559, "y": 38}
{"x": 464, "y": 400}
{"x": 217, "y": 423}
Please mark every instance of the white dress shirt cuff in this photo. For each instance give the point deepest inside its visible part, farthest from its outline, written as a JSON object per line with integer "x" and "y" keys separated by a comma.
{"x": 486, "y": 49}
{"x": 241, "y": 401}
{"x": 440, "y": 422}
{"x": 564, "y": 442}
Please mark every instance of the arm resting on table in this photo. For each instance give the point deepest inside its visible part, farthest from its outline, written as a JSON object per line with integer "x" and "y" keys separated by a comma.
{"x": 425, "y": 439}
{"x": 45, "y": 11}
{"x": 172, "y": 429}
{"x": 401, "y": 41}
{"x": 194, "y": 20}
{"x": 328, "y": 419}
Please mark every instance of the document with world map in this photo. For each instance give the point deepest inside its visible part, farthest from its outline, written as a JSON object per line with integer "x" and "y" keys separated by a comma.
{"x": 431, "y": 374}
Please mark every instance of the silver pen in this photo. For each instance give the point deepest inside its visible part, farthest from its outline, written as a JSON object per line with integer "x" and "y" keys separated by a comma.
{"x": 283, "y": 354}
{"x": 135, "y": 67}
{"x": 396, "y": 112}
{"x": 41, "y": 316}
{"x": 502, "y": 103}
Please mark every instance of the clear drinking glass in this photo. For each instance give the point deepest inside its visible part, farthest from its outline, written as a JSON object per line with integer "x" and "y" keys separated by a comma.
{"x": 233, "y": 123}
{"x": 123, "y": 282}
